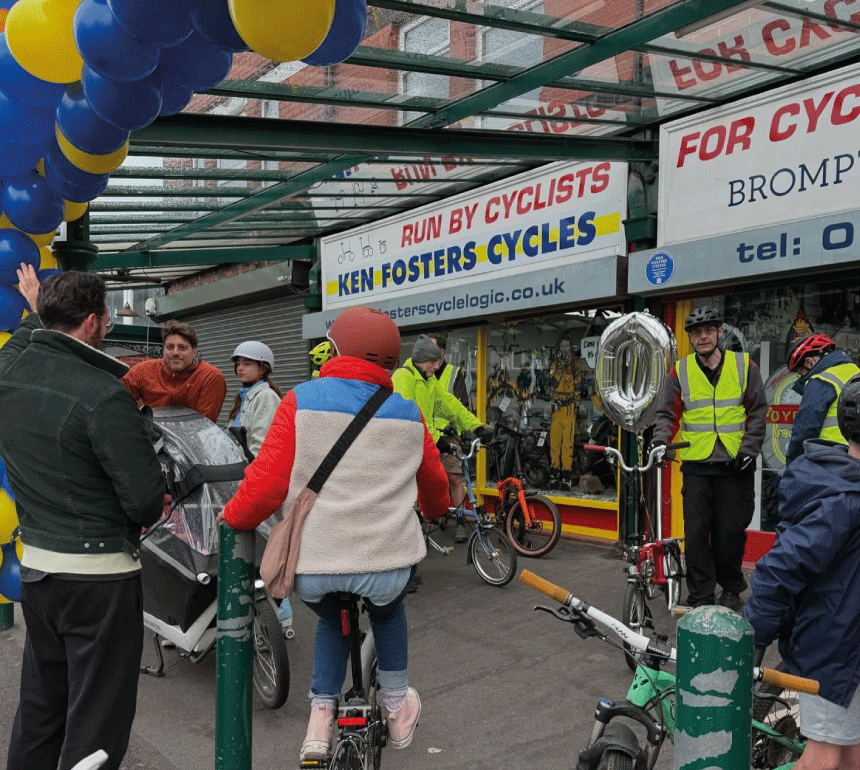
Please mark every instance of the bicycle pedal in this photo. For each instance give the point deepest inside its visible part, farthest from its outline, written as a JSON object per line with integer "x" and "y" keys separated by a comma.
{"x": 309, "y": 764}
{"x": 679, "y": 610}
{"x": 448, "y": 549}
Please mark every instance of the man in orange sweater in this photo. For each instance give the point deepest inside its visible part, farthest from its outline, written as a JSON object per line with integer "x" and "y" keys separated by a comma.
{"x": 175, "y": 379}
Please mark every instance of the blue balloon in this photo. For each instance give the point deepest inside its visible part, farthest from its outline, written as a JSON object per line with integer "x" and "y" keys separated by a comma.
{"x": 31, "y": 204}
{"x": 10, "y": 574}
{"x": 15, "y": 248}
{"x": 22, "y": 87}
{"x": 127, "y": 106}
{"x": 69, "y": 181}
{"x": 174, "y": 96}
{"x": 195, "y": 63}
{"x": 24, "y": 123}
{"x": 7, "y": 487}
{"x": 344, "y": 35}
{"x": 211, "y": 18}
{"x": 83, "y": 128}
{"x": 159, "y": 22}
{"x": 17, "y": 159}
{"x": 107, "y": 48}
{"x": 44, "y": 275}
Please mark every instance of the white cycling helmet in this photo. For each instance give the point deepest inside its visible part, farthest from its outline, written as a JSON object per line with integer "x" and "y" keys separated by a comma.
{"x": 254, "y": 351}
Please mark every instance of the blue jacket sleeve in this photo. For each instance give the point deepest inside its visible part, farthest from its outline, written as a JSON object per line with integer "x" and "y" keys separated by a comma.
{"x": 801, "y": 552}
{"x": 816, "y": 401}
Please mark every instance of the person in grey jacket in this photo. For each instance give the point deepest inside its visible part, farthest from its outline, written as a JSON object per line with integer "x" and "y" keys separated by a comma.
{"x": 86, "y": 479}
{"x": 258, "y": 397}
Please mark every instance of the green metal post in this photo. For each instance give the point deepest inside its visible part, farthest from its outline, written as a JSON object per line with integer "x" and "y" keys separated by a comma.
{"x": 76, "y": 252}
{"x": 714, "y": 690}
{"x": 7, "y": 616}
{"x": 234, "y": 650}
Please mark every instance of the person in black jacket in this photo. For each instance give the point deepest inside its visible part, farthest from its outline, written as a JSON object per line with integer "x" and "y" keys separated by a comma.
{"x": 86, "y": 479}
{"x": 806, "y": 590}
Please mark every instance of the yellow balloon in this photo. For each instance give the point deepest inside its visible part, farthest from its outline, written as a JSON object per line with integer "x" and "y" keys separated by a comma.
{"x": 40, "y": 167}
{"x": 19, "y": 548}
{"x": 41, "y": 39}
{"x": 74, "y": 210}
{"x": 87, "y": 161}
{"x": 4, "y": 338}
{"x": 8, "y": 517}
{"x": 282, "y": 31}
{"x": 47, "y": 259}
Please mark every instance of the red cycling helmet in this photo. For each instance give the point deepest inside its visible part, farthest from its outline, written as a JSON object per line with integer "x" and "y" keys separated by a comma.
{"x": 367, "y": 333}
{"x": 812, "y": 344}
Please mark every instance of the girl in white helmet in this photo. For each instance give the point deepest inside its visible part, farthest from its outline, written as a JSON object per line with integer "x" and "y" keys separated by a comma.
{"x": 254, "y": 409}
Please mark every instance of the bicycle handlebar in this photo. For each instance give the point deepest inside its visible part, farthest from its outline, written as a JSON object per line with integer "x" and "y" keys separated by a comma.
{"x": 652, "y": 455}
{"x": 644, "y": 644}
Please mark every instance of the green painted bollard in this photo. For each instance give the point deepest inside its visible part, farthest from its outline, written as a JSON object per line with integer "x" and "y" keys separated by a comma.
{"x": 234, "y": 681}
{"x": 714, "y": 690}
{"x": 7, "y": 616}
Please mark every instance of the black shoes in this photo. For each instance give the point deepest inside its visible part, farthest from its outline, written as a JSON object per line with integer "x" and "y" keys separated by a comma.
{"x": 731, "y": 600}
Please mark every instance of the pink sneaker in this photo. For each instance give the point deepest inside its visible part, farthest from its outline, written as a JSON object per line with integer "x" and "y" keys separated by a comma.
{"x": 401, "y": 723}
{"x": 317, "y": 743}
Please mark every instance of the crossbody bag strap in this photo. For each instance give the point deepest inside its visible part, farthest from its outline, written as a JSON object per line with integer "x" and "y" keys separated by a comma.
{"x": 347, "y": 437}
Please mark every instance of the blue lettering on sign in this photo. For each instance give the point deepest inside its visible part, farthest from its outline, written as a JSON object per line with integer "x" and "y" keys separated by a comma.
{"x": 659, "y": 268}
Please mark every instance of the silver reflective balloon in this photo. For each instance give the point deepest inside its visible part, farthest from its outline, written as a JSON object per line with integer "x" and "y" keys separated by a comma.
{"x": 635, "y": 354}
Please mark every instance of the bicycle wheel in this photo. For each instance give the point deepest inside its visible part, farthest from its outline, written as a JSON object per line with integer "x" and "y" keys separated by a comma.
{"x": 271, "y": 662}
{"x": 673, "y": 580}
{"x": 492, "y": 556}
{"x": 612, "y": 759}
{"x": 779, "y": 710}
{"x": 377, "y": 735}
{"x": 545, "y": 530}
{"x": 637, "y": 616}
{"x": 346, "y": 756}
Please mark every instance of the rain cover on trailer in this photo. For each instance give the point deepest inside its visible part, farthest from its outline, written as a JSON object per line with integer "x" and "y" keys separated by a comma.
{"x": 206, "y": 466}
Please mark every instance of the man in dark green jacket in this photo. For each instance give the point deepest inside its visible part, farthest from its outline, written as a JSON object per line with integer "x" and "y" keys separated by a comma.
{"x": 86, "y": 480}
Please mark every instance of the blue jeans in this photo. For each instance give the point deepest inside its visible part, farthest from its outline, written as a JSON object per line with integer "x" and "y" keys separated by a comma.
{"x": 383, "y": 594}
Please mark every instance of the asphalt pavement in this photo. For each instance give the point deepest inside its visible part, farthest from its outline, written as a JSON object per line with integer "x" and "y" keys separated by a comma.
{"x": 502, "y": 687}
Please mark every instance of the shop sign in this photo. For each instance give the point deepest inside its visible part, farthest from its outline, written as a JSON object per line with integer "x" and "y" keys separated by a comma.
{"x": 821, "y": 243}
{"x": 781, "y": 39}
{"x": 591, "y": 280}
{"x": 789, "y": 155}
{"x": 561, "y": 213}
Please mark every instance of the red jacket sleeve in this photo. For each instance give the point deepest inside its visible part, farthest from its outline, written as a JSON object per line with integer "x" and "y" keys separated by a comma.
{"x": 132, "y": 383}
{"x": 432, "y": 481}
{"x": 212, "y": 392}
{"x": 267, "y": 479}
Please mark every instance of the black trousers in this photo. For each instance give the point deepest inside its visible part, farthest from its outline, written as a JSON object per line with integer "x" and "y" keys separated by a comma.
{"x": 717, "y": 511}
{"x": 79, "y": 677}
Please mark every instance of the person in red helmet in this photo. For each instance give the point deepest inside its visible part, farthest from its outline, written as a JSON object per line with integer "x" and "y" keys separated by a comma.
{"x": 823, "y": 370}
{"x": 361, "y": 535}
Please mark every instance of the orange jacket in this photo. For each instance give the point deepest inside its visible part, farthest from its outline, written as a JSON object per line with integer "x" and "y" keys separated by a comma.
{"x": 200, "y": 387}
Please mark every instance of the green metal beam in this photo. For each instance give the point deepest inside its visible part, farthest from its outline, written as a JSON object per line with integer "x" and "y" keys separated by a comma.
{"x": 185, "y": 257}
{"x": 639, "y": 33}
{"x": 216, "y": 130}
{"x": 128, "y": 191}
{"x": 225, "y": 153}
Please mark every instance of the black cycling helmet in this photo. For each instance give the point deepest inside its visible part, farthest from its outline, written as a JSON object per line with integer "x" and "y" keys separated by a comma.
{"x": 848, "y": 410}
{"x": 702, "y": 316}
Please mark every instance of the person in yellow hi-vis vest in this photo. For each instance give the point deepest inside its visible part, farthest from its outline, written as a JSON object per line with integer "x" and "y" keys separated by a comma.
{"x": 566, "y": 376}
{"x": 823, "y": 370}
{"x": 717, "y": 398}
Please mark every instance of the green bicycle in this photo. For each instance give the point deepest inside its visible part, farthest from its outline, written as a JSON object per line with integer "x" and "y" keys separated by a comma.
{"x": 776, "y": 742}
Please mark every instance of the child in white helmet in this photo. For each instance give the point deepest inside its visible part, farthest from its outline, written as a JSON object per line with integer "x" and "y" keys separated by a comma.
{"x": 254, "y": 409}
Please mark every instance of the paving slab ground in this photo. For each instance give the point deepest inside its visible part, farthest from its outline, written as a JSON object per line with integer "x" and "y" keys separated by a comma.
{"x": 502, "y": 687}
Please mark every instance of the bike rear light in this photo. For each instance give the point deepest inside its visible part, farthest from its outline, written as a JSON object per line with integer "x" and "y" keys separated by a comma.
{"x": 351, "y": 722}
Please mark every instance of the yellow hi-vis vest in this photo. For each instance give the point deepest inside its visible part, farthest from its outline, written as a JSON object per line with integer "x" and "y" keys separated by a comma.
{"x": 836, "y": 376}
{"x": 711, "y": 411}
{"x": 447, "y": 382}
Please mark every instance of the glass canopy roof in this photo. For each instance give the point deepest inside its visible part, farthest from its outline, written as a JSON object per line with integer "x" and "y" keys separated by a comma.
{"x": 441, "y": 97}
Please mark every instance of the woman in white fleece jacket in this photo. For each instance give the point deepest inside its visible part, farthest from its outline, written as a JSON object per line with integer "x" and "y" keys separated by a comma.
{"x": 361, "y": 536}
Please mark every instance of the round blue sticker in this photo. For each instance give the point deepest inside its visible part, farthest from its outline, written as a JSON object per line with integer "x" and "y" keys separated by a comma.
{"x": 659, "y": 268}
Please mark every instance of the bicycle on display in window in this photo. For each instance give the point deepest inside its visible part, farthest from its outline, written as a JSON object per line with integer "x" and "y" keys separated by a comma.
{"x": 650, "y": 702}
{"x": 656, "y": 566}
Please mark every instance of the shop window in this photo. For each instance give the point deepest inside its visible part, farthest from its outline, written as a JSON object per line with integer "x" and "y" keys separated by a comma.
{"x": 763, "y": 323}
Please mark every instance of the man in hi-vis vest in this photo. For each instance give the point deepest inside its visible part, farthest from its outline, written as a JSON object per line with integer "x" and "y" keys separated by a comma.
{"x": 823, "y": 369}
{"x": 717, "y": 399}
